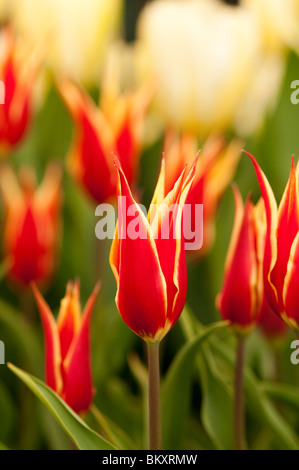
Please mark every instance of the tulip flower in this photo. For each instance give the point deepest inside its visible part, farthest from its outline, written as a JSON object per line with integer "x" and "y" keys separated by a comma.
{"x": 281, "y": 247}
{"x": 278, "y": 22}
{"x": 150, "y": 269}
{"x": 114, "y": 126}
{"x": 77, "y": 33}
{"x": 149, "y": 266}
{"x": 18, "y": 71}
{"x": 208, "y": 81}
{"x": 215, "y": 169}
{"x": 31, "y": 224}
{"x": 240, "y": 299}
{"x": 67, "y": 347}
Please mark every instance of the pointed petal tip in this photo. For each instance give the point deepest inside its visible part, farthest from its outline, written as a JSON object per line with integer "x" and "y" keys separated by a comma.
{"x": 116, "y": 161}
{"x": 97, "y": 288}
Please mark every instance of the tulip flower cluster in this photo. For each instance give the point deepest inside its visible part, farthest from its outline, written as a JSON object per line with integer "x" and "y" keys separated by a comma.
{"x": 189, "y": 96}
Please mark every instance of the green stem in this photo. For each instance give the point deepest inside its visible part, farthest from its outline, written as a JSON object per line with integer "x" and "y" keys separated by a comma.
{"x": 239, "y": 434}
{"x": 155, "y": 435}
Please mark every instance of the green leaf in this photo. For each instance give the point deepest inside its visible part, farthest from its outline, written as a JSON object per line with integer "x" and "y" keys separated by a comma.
{"x": 282, "y": 392}
{"x": 113, "y": 432}
{"x": 82, "y": 436}
{"x": 8, "y": 413}
{"x": 217, "y": 404}
{"x": 24, "y": 335}
{"x": 256, "y": 399}
{"x": 177, "y": 389}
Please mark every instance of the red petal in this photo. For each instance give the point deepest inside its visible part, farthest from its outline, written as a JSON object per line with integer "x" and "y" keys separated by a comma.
{"x": 88, "y": 161}
{"x": 290, "y": 312}
{"x": 167, "y": 230}
{"x": 238, "y": 300}
{"x": 271, "y": 240}
{"x": 127, "y": 150}
{"x": 180, "y": 270}
{"x": 28, "y": 253}
{"x": 78, "y": 389}
{"x": 69, "y": 318}
{"x": 52, "y": 346}
{"x": 287, "y": 228}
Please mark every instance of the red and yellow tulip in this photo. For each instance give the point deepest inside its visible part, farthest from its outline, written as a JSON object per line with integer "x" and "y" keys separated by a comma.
{"x": 240, "y": 299}
{"x": 18, "y": 70}
{"x": 281, "y": 259}
{"x": 67, "y": 347}
{"x": 216, "y": 167}
{"x": 115, "y": 126}
{"x": 150, "y": 268}
{"x": 31, "y": 223}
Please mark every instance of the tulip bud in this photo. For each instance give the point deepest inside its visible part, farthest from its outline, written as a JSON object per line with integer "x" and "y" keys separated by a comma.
{"x": 216, "y": 166}
{"x": 150, "y": 266}
{"x": 31, "y": 223}
{"x": 67, "y": 347}
{"x": 241, "y": 295}
{"x": 113, "y": 127}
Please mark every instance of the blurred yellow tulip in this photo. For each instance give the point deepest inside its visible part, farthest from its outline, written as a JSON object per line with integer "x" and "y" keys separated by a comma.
{"x": 211, "y": 64}
{"x": 77, "y": 33}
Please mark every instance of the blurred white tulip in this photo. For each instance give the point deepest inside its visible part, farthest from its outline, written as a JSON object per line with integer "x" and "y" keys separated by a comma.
{"x": 210, "y": 62}
{"x": 279, "y": 21}
{"x": 76, "y": 33}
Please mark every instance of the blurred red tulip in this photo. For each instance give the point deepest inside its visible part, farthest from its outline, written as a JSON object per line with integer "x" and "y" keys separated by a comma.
{"x": 281, "y": 261}
{"x": 18, "y": 70}
{"x": 67, "y": 347}
{"x": 216, "y": 167}
{"x": 32, "y": 223}
{"x": 240, "y": 299}
{"x": 113, "y": 127}
{"x": 150, "y": 268}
